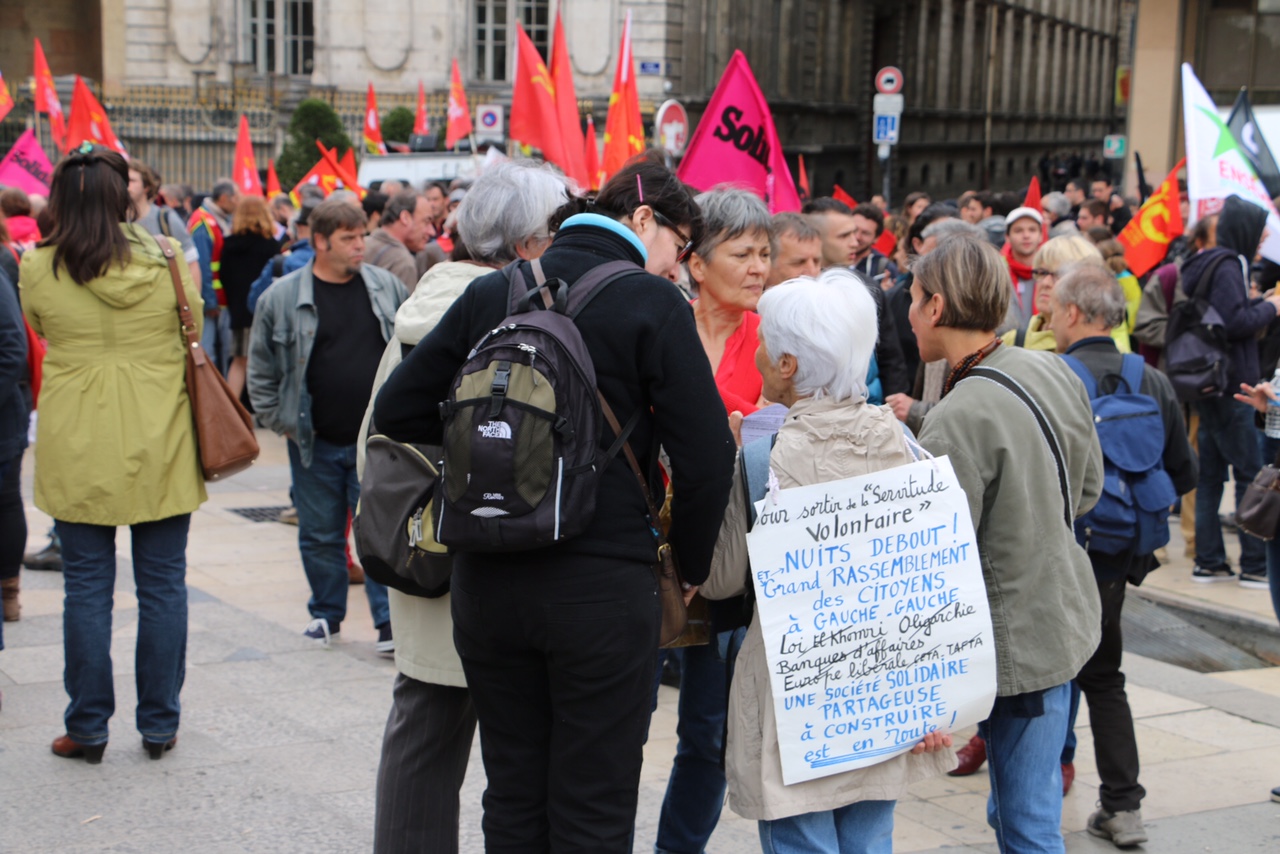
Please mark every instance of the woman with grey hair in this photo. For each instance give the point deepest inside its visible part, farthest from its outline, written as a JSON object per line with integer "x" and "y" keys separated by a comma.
{"x": 432, "y": 722}
{"x": 729, "y": 266}
{"x": 817, "y": 338}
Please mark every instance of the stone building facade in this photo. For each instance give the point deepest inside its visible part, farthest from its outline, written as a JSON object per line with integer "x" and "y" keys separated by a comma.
{"x": 992, "y": 86}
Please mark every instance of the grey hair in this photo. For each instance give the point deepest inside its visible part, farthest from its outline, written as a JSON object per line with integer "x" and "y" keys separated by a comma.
{"x": 727, "y": 213}
{"x": 1056, "y": 205}
{"x": 345, "y": 196}
{"x": 797, "y": 226}
{"x": 949, "y": 226}
{"x": 829, "y": 325}
{"x": 1093, "y": 289}
{"x": 221, "y": 188}
{"x": 510, "y": 203}
{"x": 405, "y": 200}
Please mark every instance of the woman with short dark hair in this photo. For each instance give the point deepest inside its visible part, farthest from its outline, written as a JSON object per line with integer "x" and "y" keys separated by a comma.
{"x": 116, "y": 443}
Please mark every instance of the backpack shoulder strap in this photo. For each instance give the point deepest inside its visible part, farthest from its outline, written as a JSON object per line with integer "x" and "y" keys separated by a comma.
{"x": 517, "y": 287}
{"x": 1020, "y": 337}
{"x": 1086, "y": 376}
{"x": 1051, "y": 438}
{"x": 595, "y": 280}
{"x": 1132, "y": 369}
{"x": 1206, "y": 278}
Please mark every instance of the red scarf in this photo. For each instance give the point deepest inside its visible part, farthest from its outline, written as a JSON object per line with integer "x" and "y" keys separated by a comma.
{"x": 1018, "y": 272}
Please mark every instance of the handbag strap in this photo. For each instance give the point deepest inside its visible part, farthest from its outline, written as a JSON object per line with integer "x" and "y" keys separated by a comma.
{"x": 622, "y": 434}
{"x": 1015, "y": 388}
{"x": 185, "y": 318}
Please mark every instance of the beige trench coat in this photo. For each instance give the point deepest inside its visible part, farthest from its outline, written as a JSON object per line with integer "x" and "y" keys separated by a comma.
{"x": 819, "y": 441}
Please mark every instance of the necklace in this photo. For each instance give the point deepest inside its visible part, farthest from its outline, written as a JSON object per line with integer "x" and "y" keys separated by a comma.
{"x": 968, "y": 363}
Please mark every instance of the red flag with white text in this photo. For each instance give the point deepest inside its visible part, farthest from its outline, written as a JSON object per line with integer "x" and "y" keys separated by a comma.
{"x": 245, "y": 170}
{"x": 372, "y": 127}
{"x": 420, "y": 116}
{"x": 88, "y": 122}
{"x": 459, "y": 110}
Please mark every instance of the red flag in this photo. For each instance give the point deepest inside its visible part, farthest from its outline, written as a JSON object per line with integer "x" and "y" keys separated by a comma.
{"x": 840, "y": 195}
{"x": 1147, "y": 237}
{"x": 245, "y": 170}
{"x": 805, "y": 192}
{"x": 623, "y": 128}
{"x": 343, "y": 170}
{"x": 1033, "y": 201}
{"x": 885, "y": 243}
{"x": 420, "y": 117}
{"x": 459, "y": 110}
{"x": 591, "y": 154}
{"x": 273, "y": 181}
{"x": 372, "y": 128}
{"x": 47, "y": 96}
{"x": 322, "y": 175}
{"x": 534, "y": 120}
{"x": 737, "y": 141}
{"x": 575, "y": 165}
{"x": 88, "y": 121}
{"x": 6, "y": 100}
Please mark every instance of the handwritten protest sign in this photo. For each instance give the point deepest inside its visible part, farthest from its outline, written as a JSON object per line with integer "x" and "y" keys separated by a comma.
{"x": 875, "y": 617}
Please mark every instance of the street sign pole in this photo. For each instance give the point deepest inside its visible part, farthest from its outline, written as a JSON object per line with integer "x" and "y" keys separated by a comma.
{"x": 887, "y": 107}
{"x": 886, "y": 158}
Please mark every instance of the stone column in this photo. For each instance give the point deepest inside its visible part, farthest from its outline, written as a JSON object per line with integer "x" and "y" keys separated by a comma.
{"x": 946, "y": 38}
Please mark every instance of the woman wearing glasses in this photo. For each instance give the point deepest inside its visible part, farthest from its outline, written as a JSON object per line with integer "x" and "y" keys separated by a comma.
{"x": 557, "y": 644}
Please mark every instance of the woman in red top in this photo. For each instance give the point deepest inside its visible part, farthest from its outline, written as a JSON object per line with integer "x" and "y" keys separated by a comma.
{"x": 729, "y": 267}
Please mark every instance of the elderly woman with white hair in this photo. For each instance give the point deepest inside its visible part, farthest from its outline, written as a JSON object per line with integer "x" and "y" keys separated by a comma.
{"x": 816, "y": 342}
{"x": 429, "y": 732}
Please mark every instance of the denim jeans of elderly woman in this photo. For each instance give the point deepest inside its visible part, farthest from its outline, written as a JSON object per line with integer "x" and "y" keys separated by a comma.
{"x": 159, "y": 551}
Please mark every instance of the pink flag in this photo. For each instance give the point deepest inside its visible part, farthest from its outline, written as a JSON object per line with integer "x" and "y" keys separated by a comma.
{"x": 736, "y": 142}
{"x": 26, "y": 166}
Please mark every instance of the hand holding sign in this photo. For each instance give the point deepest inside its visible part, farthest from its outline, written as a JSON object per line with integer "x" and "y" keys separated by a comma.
{"x": 875, "y": 618}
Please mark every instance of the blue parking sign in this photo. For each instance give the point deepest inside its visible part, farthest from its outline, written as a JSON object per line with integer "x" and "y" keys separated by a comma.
{"x": 886, "y": 130}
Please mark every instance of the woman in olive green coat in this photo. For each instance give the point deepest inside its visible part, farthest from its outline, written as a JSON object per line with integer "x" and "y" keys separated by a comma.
{"x": 115, "y": 442}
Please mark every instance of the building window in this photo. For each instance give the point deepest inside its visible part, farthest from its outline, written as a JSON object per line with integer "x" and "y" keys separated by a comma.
{"x": 278, "y": 36}
{"x": 1238, "y": 44}
{"x": 494, "y": 34}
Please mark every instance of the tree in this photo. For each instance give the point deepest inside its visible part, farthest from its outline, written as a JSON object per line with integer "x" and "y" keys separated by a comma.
{"x": 398, "y": 124}
{"x": 312, "y": 120}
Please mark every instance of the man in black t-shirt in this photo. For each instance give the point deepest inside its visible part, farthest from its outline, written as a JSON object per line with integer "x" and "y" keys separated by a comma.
{"x": 318, "y": 335}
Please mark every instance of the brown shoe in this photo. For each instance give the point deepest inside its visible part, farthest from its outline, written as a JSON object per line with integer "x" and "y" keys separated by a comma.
{"x": 971, "y": 757}
{"x": 1068, "y": 777}
{"x": 355, "y": 574}
{"x": 65, "y": 747}
{"x": 9, "y": 596}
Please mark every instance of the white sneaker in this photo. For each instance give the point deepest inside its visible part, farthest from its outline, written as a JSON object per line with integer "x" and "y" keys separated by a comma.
{"x": 318, "y": 630}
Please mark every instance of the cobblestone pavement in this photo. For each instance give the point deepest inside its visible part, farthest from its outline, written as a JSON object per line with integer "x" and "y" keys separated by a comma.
{"x": 279, "y": 740}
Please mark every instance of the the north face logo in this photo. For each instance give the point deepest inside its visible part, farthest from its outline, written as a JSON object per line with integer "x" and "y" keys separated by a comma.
{"x": 495, "y": 430}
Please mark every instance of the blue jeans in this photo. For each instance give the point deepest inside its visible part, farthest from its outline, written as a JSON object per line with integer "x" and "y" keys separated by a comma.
{"x": 216, "y": 339}
{"x": 865, "y": 827}
{"x": 89, "y": 577}
{"x": 1227, "y": 438}
{"x": 695, "y": 789}
{"x": 1069, "y": 746}
{"x": 1025, "y": 807}
{"x": 1270, "y": 448}
{"x": 324, "y": 493}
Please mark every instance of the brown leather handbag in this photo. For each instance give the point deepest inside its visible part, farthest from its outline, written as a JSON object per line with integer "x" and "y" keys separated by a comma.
{"x": 224, "y": 429}
{"x": 675, "y": 613}
{"x": 1259, "y": 510}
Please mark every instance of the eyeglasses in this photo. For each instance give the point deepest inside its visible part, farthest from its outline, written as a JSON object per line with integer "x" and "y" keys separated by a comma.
{"x": 686, "y": 248}
{"x": 1042, "y": 274}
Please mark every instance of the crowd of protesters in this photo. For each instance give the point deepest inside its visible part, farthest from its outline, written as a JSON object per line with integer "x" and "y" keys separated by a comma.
{"x": 346, "y": 312}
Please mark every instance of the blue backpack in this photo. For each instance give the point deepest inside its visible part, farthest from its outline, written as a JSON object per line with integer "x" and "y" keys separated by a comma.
{"x": 1132, "y": 514}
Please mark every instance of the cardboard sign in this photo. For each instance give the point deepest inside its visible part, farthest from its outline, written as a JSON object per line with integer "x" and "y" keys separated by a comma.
{"x": 875, "y": 618}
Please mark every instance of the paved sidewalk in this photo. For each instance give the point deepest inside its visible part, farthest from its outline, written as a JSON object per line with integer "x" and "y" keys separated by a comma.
{"x": 279, "y": 739}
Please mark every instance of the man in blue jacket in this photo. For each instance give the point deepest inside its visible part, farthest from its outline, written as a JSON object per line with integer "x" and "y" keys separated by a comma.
{"x": 1227, "y": 436}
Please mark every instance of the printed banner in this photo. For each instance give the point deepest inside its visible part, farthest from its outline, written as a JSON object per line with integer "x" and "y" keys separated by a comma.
{"x": 1216, "y": 167}
{"x": 26, "y": 166}
{"x": 875, "y": 617}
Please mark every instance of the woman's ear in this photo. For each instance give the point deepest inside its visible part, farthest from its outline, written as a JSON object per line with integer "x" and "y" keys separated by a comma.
{"x": 697, "y": 268}
{"x": 787, "y": 366}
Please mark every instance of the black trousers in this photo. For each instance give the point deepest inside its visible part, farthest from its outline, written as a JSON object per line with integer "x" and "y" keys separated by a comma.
{"x": 559, "y": 658}
{"x": 424, "y": 760}
{"x": 1114, "y": 744}
{"x": 13, "y": 522}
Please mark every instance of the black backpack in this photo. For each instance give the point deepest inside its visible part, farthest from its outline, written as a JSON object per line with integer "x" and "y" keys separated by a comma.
{"x": 523, "y": 421}
{"x": 1196, "y": 348}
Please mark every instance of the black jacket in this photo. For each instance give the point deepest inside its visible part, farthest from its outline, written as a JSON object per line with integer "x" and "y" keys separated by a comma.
{"x": 1240, "y": 227}
{"x": 642, "y": 339}
{"x": 243, "y": 257}
{"x": 15, "y": 403}
{"x": 1102, "y": 359}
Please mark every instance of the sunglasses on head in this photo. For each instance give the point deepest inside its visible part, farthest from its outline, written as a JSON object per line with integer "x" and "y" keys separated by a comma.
{"x": 686, "y": 248}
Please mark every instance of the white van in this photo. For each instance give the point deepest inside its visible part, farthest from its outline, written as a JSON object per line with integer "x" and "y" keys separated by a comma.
{"x": 417, "y": 169}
